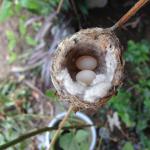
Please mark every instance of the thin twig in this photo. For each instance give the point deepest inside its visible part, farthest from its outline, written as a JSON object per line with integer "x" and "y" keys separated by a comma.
{"x": 76, "y": 12}
{"x": 45, "y": 27}
{"x": 61, "y": 125}
{"x": 99, "y": 144}
{"x": 129, "y": 14}
{"x": 59, "y": 6}
{"x": 38, "y": 131}
{"x": 30, "y": 85}
{"x": 15, "y": 69}
{"x": 37, "y": 116}
{"x": 32, "y": 20}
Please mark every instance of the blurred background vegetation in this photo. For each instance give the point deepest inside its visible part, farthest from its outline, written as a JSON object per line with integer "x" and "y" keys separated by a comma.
{"x": 29, "y": 32}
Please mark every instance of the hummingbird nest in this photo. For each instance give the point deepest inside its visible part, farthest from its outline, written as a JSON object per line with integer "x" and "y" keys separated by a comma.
{"x": 104, "y": 46}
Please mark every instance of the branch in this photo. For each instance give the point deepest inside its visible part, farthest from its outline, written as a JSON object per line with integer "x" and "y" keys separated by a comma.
{"x": 38, "y": 131}
{"x": 129, "y": 14}
{"x": 61, "y": 125}
{"x": 59, "y": 6}
{"x": 26, "y": 68}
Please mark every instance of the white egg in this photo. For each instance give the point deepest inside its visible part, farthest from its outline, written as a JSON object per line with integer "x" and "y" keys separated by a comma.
{"x": 86, "y": 63}
{"x": 85, "y": 77}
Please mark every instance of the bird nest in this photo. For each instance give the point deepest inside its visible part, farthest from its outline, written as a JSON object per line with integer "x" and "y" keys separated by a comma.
{"x": 105, "y": 47}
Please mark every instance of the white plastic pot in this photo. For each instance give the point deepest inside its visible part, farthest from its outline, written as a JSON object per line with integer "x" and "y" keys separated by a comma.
{"x": 80, "y": 116}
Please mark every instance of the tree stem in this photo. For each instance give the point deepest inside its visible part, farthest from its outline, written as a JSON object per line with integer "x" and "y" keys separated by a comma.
{"x": 129, "y": 14}
{"x": 61, "y": 125}
{"x": 59, "y": 6}
{"x": 38, "y": 131}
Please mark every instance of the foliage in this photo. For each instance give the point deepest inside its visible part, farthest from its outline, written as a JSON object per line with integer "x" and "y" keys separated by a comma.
{"x": 128, "y": 146}
{"x": 51, "y": 94}
{"x": 15, "y": 118}
{"x": 119, "y": 102}
{"x": 44, "y": 7}
{"x": 6, "y": 10}
{"x": 10, "y": 8}
{"x": 74, "y": 139}
{"x": 133, "y": 102}
{"x": 137, "y": 52}
{"x": 11, "y": 45}
{"x": 12, "y": 101}
{"x": 83, "y": 7}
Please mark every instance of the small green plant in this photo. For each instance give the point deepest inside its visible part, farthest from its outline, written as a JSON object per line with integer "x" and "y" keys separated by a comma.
{"x": 73, "y": 139}
{"x": 137, "y": 52}
{"x": 10, "y": 125}
{"x": 128, "y": 146}
{"x": 43, "y": 8}
{"x": 12, "y": 41}
{"x": 10, "y": 8}
{"x": 51, "y": 94}
{"x": 132, "y": 103}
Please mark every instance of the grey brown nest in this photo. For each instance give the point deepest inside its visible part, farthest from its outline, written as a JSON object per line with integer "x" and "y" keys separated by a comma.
{"x": 101, "y": 44}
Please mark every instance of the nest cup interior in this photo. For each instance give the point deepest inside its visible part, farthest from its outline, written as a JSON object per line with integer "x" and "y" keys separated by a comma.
{"x": 84, "y": 50}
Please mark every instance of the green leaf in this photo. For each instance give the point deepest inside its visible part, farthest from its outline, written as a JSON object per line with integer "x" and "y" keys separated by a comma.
{"x": 11, "y": 45}
{"x": 6, "y": 10}
{"x": 73, "y": 141}
{"x": 121, "y": 101}
{"x": 22, "y": 27}
{"x": 31, "y": 4}
{"x": 30, "y": 41}
{"x": 17, "y": 7}
{"x": 147, "y": 102}
{"x": 11, "y": 40}
{"x": 84, "y": 8}
{"x": 144, "y": 140}
{"x": 127, "y": 119}
{"x": 2, "y": 139}
{"x": 121, "y": 104}
{"x": 37, "y": 6}
{"x": 50, "y": 93}
{"x": 128, "y": 146}
{"x": 67, "y": 142}
{"x": 81, "y": 136}
{"x": 36, "y": 26}
{"x": 7, "y": 87}
{"x": 141, "y": 125}
{"x": 84, "y": 146}
{"x": 137, "y": 52}
{"x": 65, "y": 6}
{"x": 4, "y": 99}
{"x": 12, "y": 57}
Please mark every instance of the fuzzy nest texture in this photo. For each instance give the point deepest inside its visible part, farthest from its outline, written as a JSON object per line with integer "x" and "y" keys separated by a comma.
{"x": 105, "y": 47}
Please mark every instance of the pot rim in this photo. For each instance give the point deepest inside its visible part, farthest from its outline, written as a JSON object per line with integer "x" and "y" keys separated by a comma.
{"x": 79, "y": 115}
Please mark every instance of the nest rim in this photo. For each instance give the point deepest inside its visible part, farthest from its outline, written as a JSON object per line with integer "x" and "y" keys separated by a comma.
{"x": 93, "y": 33}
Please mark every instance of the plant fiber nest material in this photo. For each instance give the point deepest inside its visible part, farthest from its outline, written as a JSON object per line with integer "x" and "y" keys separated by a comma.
{"x": 99, "y": 43}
